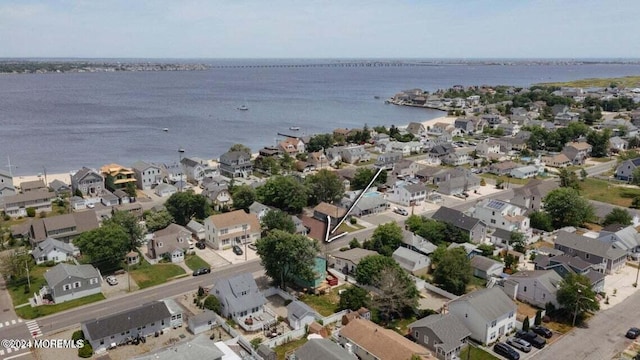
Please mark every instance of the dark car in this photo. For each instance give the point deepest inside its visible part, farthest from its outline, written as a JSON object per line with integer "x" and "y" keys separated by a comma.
{"x": 506, "y": 351}
{"x": 237, "y": 250}
{"x": 532, "y": 338}
{"x": 633, "y": 333}
{"x": 542, "y": 331}
{"x": 201, "y": 245}
{"x": 201, "y": 271}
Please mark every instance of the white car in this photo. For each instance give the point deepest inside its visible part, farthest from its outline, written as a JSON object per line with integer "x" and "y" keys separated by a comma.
{"x": 111, "y": 280}
{"x": 400, "y": 211}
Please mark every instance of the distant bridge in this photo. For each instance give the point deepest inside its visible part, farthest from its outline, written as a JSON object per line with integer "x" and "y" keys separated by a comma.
{"x": 331, "y": 64}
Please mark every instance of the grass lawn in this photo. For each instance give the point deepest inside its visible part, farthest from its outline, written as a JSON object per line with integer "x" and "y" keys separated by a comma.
{"x": 401, "y": 326}
{"x": 282, "y": 350}
{"x": 147, "y": 275}
{"x": 476, "y": 354}
{"x": 627, "y": 81}
{"x": 326, "y": 304}
{"x": 558, "y": 327}
{"x": 348, "y": 227}
{"x": 506, "y": 179}
{"x": 476, "y": 283}
{"x": 36, "y": 275}
{"x": 601, "y": 190}
{"x": 28, "y": 312}
{"x": 194, "y": 262}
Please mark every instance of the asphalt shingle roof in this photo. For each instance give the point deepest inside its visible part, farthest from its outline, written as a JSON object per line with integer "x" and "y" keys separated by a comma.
{"x": 490, "y": 303}
{"x": 455, "y": 218}
{"x": 117, "y": 323}
{"x": 447, "y": 327}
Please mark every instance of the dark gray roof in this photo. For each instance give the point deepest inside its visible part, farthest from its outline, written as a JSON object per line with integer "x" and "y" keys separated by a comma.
{"x": 484, "y": 263}
{"x": 322, "y": 349}
{"x": 117, "y": 323}
{"x": 490, "y": 303}
{"x": 58, "y": 184}
{"x": 60, "y": 272}
{"x": 447, "y": 327}
{"x": 234, "y": 156}
{"x": 502, "y": 234}
{"x": 414, "y": 188}
{"x": 548, "y": 279}
{"x": 409, "y": 259}
{"x": 455, "y": 218}
{"x": 299, "y": 310}
{"x": 203, "y": 318}
{"x": 197, "y": 349}
{"x": 589, "y": 245}
{"x": 574, "y": 262}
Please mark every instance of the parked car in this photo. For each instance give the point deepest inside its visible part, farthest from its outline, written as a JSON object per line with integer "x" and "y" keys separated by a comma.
{"x": 201, "y": 271}
{"x": 252, "y": 246}
{"x": 633, "y": 333}
{"x": 542, "y": 331}
{"x": 237, "y": 250}
{"x": 90, "y": 205}
{"x": 519, "y": 344}
{"x": 506, "y": 351}
{"x": 201, "y": 245}
{"x": 532, "y": 338}
{"x": 111, "y": 280}
{"x": 400, "y": 211}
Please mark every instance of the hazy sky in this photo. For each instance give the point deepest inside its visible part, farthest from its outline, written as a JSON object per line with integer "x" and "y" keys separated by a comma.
{"x": 320, "y": 28}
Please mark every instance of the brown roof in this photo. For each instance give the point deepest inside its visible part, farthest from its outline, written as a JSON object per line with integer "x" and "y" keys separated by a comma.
{"x": 226, "y": 220}
{"x": 579, "y": 145}
{"x": 317, "y": 228}
{"x": 29, "y": 196}
{"x": 316, "y": 328}
{"x": 83, "y": 221}
{"x": 331, "y": 210}
{"x": 382, "y": 343}
{"x": 30, "y": 185}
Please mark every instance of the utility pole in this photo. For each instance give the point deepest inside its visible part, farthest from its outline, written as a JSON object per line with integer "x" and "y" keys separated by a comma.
{"x": 10, "y": 166}
{"x": 244, "y": 227}
{"x": 46, "y": 183}
{"x": 26, "y": 263}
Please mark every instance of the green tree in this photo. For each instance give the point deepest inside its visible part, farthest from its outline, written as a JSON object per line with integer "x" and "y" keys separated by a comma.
{"x": 386, "y": 238}
{"x": 370, "y": 267}
{"x": 618, "y": 216}
{"x": 324, "y": 186}
{"x": 283, "y": 192}
{"x": 104, "y": 247}
{"x": 599, "y": 142}
{"x": 354, "y": 243}
{"x": 278, "y": 219}
{"x": 541, "y": 220}
{"x": 353, "y": 298}
{"x": 363, "y": 176}
{"x": 538, "y": 320}
{"x": 185, "y": 205}
{"x": 240, "y": 147}
{"x": 453, "y": 272}
{"x": 110, "y": 183}
{"x": 635, "y": 203}
{"x": 319, "y": 142}
{"x": 517, "y": 242}
{"x": 569, "y": 179}
{"x": 212, "y": 303}
{"x": 525, "y": 324}
{"x": 566, "y": 208}
{"x": 31, "y": 212}
{"x": 576, "y": 296}
{"x": 77, "y": 193}
{"x": 243, "y": 196}
{"x": 487, "y": 249}
{"x": 583, "y": 174}
{"x": 283, "y": 255}
{"x": 131, "y": 226}
{"x": 131, "y": 190}
{"x": 635, "y": 176}
{"x": 438, "y": 254}
{"x": 397, "y": 294}
{"x": 157, "y": 220}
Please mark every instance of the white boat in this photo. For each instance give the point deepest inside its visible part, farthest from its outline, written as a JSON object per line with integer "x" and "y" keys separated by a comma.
{"x": 165, "y": 129}
{"x": 244, "y": 106}
{"x": 294, "y": 128}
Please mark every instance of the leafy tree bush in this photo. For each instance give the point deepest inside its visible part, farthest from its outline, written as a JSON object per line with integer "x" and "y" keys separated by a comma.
{"x": 453, "y": 271}
{"x": 525, "y": 324}
{"x": 31, "y": 212}
{"x": 212, "y": 303}
{"x": 354, "y": 298}
{"x": 618, "y": 216}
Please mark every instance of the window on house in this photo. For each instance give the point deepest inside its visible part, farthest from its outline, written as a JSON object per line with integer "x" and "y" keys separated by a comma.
{"x": 493, "y": 323}
{"x": 493, "y": 221}
{"x": 525, "y": 289}
{"x": 224, "y": 231}
{"x": 160, "y": 244}
{"x": 586, "y": 256}
{"x": 101, "y": 341}
{"x": 66, "y": 287}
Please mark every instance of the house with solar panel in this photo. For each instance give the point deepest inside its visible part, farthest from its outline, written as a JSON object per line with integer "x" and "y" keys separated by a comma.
{"x": 625, "y": 170}
{"x": 498, "y": 214}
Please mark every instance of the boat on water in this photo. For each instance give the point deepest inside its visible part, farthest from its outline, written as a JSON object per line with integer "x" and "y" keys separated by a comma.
{"x": 376, "y": 97}
{"x": 165, "y": 129}
{"x": 243, "y": 107}
{"x": 294, "y": 128}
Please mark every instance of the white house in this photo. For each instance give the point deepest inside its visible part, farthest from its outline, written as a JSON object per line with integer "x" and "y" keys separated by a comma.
{"x": 499, "y": 214}
{"x": 537, "y": 287}
{"x": 488, "y": 313}
{"x": 53, "y": 250}
{"x": 408, "y": 194}
{"x": 232, "y": 228}
{"x": 202, "y": 322}
{"x": 525, "y": 172}
{"x": 147, "y": 175}
{"x": 240, "y": 300}
{"x": 300, "y": 314}
{"x": 485, "y": 268}
{"x": 164, "y": 190}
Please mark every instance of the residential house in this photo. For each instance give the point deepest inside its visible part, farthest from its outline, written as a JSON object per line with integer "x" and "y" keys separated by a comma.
{"x": 530, "y": 195}
{"x": 147, "y": 175}
{"x": 502, "y": 168}
{"x": 499, "y": 214}
{"x": 371, "y": 203}
{"x": 485, "y": 148}
{"x": 324, "y": 211}
{"x": 416, "y": 128}
{"x": 291, "y": 146}
{"x": 456, "y": 181}
{"x": 567, "y": 117}
{"x": 173, "y": 172}
{"x": 626, "y": 238}
{"x": 62, "y": 227}
{"x": 427, "y": 174}
{"x": 408, "y": 194}
{"x": 474, "y": 228}
{"x": 322, "y": 349}
{"x": 318, "y": 160}
{"x": 413, "y": 262}
{"x": 205, "y": 321}
{"x": 440, "y": 151}
{"x": 118, "y": 175}
{"x": 123, "y": 197}
{"x": 459, "y": 157}
{"x": 53, "y": 250}
{"x": 194, "y": 168}
{"x": 109, "y": 199}
{"x": 35, "y": 185}
{"x": 556, "y": 161}
{"x": 197, "y": 230}
{"x": 232, "y": 228}
{"x": 444, "y": 334}
{"x": 509, "y": 129}
{"x": 405, "y": 168}
{"x": 6, "y": 184}
{"x": 235, "y": 164}
{"x": 618, "y": 144}
{"x": 470, "y": 249}
{"x": 525, "y": 172}
{"x": 240, "y": 299}
{"x": 69, "y": 282}
{"x": 388, "y": 159}
{"x": 485, "y": 268}
{"x": 219, "y": 195}
{"x": 165, "y": 190}
{"x": 355, "y": 154}
{"x": 77, "y": 203}
{"x": 347, "y": 261}
{"x": 300, "y": 314}
{"x": 417, "y": 243}
{"x": 468, "y": 126}
{"x": 537, "y": 287}
{"x": 624, "y": 171}
{"x": 492, "y": 119}
{"x": 369, "y": 341}
{"x": 565, "y": 264}
{"x": 17, "y": 205}
{"x": 488, "y": 313}
{"x": 114, "y": 329}
{"x": 170, "y": 243}
{"x": 259, "y": 209}
{"x": 577, "y": 152}
{"x": 603, "y": 254}
{"x": 439, "y": 128}
{"x": 319, "y": 276}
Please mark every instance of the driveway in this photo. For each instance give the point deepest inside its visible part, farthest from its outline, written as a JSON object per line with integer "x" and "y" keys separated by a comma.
{"x": 232, "y": 258}
{"x": 210, "y": 256}
{"x": 121, "y": 288}
{"x": 620, "y": 283}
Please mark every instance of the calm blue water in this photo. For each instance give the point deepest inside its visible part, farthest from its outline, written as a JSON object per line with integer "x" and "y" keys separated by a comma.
{"x": 66, "y": 121}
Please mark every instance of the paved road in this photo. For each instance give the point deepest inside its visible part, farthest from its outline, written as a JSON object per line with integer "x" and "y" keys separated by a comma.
{"x": 11, "y": 327}
{"x": 604, "y": 337}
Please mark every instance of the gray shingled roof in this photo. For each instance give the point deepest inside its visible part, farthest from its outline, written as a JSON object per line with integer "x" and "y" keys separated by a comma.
{"x": 588, "y": 245}
{"x": 409, "y": 259}
{"x": 490, "y": 303}
{"x": 117, "y": 323}
{"x": 197, "y": 349}
{"x": 455, "y": 218}
{"x": 448, "y": 328}
{"x": 43, "y": 248}
{"x": 483, "y": 263}
{"x": 229, "y": 291}
{"x": 299, "y": 310}
{"x": 548, "y": 279}
{"x": 60, "y": 272}
{"x": 354, "y": 255}
{"x": 322, "y": 349}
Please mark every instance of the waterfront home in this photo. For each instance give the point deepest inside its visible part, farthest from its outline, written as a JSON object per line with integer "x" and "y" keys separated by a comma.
{"x": 556, "y": 161}
{"x": 369, "y": 341}
{"x": 240, "y": 300}
{"x": 53, "y": 250}
{"x": 474, "y": 228}
{"x": 194, "y": 168}
{"x": 603, "y": 254}
{"x": 109, "y": 199}
{"x": 291, "y": 146}
{"x": 147, "y": 175}
{"x": 388, "y": 159}
{"x": 88, "y": 181}
{"x": 624, "y": 171}
{"x": 347, "y": 261}
{"x": 173, "y": 172}
{"x": 439, "y": 128}
{"x": 440, "y": 151}
{"x": 232, "y": 228}
{"x": 35, "y": 185}
{"x": 171, "y": 243}
{"x": 499, "y": 214}
{"x": 444, "y": 334}
{"x": 235, "y": 164}
{"x": 467, "y": 126}
{"x": 416, "y": 129}
{"x": 17, "y": 205}
{"x": 537, "y": 287}
{"x": 6, "y": 184}
{"x": 488, "y": 313}
{"x": 118, "y": 176}
{"x": 69, "y": 282}
{"x": 318, "y": 160}
{"x": 406, "y": 148}
{"x": 59, "y": 187}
